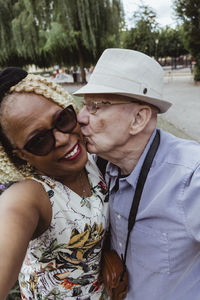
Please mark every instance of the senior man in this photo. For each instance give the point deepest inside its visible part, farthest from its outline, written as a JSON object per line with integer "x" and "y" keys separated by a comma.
{"x": 118, "y": 120}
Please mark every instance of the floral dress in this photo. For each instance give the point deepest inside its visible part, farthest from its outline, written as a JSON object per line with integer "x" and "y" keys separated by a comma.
{"x": 64, "y": 262}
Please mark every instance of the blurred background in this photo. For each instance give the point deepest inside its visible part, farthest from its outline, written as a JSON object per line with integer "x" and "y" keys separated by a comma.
{"x": 55, "y": 37}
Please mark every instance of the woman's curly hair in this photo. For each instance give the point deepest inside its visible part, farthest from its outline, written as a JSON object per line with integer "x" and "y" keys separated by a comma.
{"x": 13, "y": 168}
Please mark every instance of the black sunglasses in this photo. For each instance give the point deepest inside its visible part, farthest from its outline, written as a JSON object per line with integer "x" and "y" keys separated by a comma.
{"x": 44, "y": 142}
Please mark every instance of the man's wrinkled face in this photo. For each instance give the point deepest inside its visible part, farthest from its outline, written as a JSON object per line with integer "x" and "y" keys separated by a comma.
{"x": 107, "y": 127}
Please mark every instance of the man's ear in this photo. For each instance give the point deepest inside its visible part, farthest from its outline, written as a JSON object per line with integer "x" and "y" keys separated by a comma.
{"x": 141, "y": 118}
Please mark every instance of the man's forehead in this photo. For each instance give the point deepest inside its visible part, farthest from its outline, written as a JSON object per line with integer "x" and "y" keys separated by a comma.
{"x": 106, "y": 97}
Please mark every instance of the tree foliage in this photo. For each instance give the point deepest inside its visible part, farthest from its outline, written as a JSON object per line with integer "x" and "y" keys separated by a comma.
{"x": 188, "y": 11}
{"x": 19, "y": 34}
{"x": 61, "y": 31}
{"x": 91, "y": 26}
{"x": 148, "y": 37}
{"x": 142, "y": 36}
{"x": 171, "y": 42}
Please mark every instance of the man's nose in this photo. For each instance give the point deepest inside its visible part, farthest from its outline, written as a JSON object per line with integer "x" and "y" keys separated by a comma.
{"x": 82, "y": 116}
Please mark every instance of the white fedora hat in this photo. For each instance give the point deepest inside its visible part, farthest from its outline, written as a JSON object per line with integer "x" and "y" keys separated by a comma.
{"x": 129, "y": 73}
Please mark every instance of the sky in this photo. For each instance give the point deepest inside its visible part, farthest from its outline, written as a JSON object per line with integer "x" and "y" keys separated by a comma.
{"x": 163, "y": 9}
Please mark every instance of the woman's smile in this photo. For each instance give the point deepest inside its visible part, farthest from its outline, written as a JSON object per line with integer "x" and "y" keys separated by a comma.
{"x": 73, "y": 154}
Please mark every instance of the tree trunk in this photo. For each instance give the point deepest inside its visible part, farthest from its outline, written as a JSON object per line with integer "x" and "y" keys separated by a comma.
{"x": 81, "y": 62}
{"x": 197, "y": 69}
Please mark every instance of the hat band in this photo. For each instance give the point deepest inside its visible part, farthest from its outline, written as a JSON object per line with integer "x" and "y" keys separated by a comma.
{"x": 124, "y": 84}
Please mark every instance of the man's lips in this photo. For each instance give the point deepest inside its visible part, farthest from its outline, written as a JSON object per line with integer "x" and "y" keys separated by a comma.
{"x": 86, "y": 136}
{"x": 88, "y": 140}
{"x": 73, "y": 153}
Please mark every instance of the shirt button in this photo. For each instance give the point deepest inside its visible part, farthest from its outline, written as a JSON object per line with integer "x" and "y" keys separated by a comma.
{"x": 120, "y": 244}
{"x": 119, "y": 217}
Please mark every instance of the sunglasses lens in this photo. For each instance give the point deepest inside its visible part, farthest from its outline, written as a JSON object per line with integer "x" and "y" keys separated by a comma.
{"x": 44, "y": 142}
{"x": 66, "y": 121}
{"x": 41, "y": 144}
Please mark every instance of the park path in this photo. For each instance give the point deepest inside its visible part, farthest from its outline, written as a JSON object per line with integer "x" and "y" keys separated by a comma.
{"x": 184, "y": 93}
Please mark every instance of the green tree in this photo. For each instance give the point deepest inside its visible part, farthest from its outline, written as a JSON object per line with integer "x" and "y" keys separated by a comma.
{"x": 62, "y": 32}
{"x": 91, "y": 27}
{"x": 20, "y": 34}
{"x": 148, "y": 37}
{"x": 171, "y": 43}
{"x": 143, "y": 35}
{"x": 188, "y": 11}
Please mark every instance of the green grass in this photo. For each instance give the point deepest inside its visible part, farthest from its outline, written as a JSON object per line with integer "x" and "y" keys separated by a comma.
{"x": 169, "y": 127}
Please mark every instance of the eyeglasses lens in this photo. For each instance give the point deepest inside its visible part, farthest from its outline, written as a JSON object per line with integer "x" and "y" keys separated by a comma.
{"x": 91, "y": 107}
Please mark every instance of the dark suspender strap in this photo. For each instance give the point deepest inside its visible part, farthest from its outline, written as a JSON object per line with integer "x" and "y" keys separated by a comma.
{"x": 139, "y": 188}
{"x": 101, "y": 163}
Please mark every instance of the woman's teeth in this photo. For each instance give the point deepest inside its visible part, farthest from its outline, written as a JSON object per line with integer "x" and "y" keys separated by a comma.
{"x": 72, "y": 153}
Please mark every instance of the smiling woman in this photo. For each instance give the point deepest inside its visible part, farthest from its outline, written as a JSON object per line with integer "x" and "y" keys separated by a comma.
{"x": 52, "y": 216}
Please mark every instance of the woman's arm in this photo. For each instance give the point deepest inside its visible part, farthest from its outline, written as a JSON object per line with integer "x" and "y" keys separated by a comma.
{"x": 25, "y": 212}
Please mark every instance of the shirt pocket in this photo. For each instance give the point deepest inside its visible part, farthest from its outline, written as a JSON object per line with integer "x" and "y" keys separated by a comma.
{"x": 150, "y": 249}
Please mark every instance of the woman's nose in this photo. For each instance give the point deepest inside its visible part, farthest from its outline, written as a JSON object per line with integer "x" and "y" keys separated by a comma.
{"x": 61, "y": 138}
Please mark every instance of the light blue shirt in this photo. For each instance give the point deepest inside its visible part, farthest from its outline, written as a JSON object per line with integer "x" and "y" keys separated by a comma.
{"x": 163, "y": 257}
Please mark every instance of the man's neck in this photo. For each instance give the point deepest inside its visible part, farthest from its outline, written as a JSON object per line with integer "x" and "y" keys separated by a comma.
{"x": 127, "y": 157}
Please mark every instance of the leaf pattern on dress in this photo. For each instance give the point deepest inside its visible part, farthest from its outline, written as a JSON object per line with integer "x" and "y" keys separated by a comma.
{"x": 64, "y": 262}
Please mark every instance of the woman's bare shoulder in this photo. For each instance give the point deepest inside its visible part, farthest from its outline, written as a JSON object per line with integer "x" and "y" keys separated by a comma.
{"x": 27, "y": 199}
{"x": 27, "y": 189}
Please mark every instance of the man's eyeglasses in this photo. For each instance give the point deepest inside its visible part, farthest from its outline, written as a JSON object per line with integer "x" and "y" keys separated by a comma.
{"x": 44, "y": 142}
{"x": 93, "y": 106}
